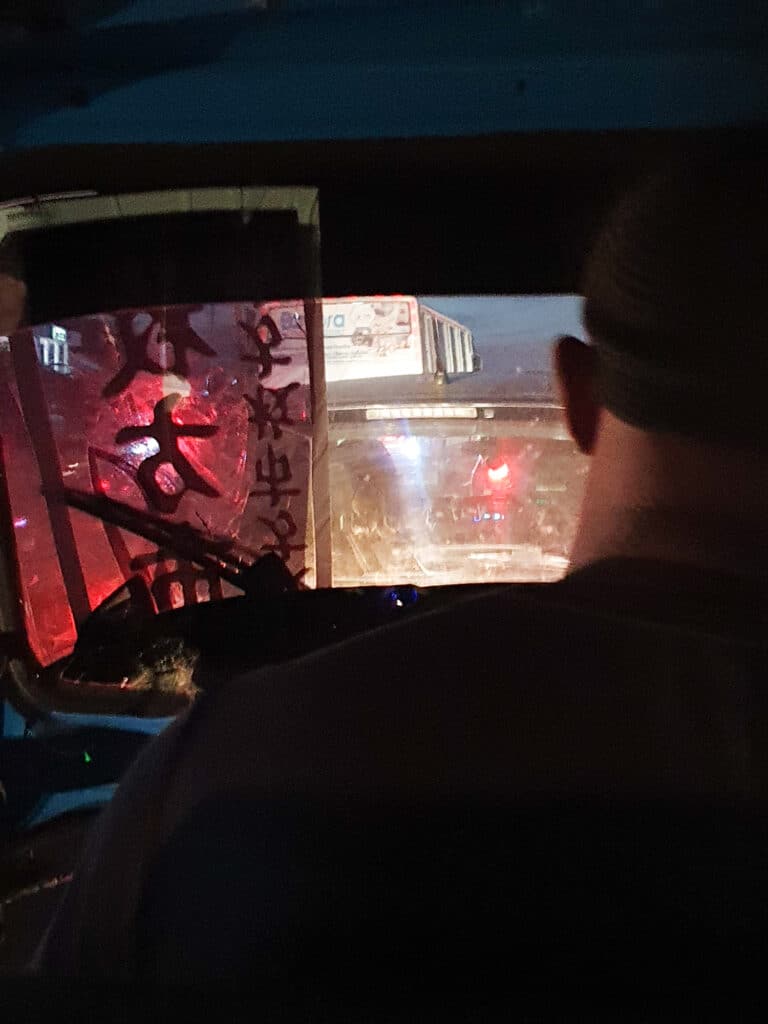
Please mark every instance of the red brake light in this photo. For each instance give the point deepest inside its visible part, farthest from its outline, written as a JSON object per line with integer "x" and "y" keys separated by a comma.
{"x": 499, "y": 473}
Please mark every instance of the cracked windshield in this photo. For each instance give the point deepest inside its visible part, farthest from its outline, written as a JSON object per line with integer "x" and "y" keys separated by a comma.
{"x": 177, "y": 444}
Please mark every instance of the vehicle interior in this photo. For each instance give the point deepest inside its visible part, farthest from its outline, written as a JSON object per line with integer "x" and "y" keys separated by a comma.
{"x": 202, "y": 470}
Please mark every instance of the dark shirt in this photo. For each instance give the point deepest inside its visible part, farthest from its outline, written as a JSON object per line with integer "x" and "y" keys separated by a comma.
{"x": 296, "y": 790}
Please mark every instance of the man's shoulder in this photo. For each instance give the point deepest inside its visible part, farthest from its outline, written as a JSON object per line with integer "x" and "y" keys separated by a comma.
{"x": 507, "y": 691}
{"x": 617, "y": 596}
{"x": 567, "y": 688}
{"x": 523, "y": 635}
{"x": 612, "y": 596}
{"x": 481, "y": 673}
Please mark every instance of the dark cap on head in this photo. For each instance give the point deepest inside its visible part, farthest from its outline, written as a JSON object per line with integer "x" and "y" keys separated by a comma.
{"x": 676, "y": 302}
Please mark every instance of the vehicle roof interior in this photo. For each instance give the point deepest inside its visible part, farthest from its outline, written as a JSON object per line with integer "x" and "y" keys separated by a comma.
{"x": 483, "y": 215}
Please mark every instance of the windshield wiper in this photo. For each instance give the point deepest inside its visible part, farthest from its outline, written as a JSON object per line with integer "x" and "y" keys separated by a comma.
{"x": 212, "y": 554}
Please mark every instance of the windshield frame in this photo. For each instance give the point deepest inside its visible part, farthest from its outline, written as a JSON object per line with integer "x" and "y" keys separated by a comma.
{"x": 32, "y": 688}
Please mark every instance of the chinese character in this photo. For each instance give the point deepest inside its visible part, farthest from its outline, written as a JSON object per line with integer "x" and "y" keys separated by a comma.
{"x": 271, "y": 411}
{"x": 167, "y": 433}
{"x": 174, "y": 329}
{"x": 283, "y": 534}
{"x": 265, "y": 337}
{"x": 278, "y": 472}
{"x": 185, "y": 575}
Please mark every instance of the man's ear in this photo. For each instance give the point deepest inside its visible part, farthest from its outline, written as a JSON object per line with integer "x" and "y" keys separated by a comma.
{"x": 575, "y": 366}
